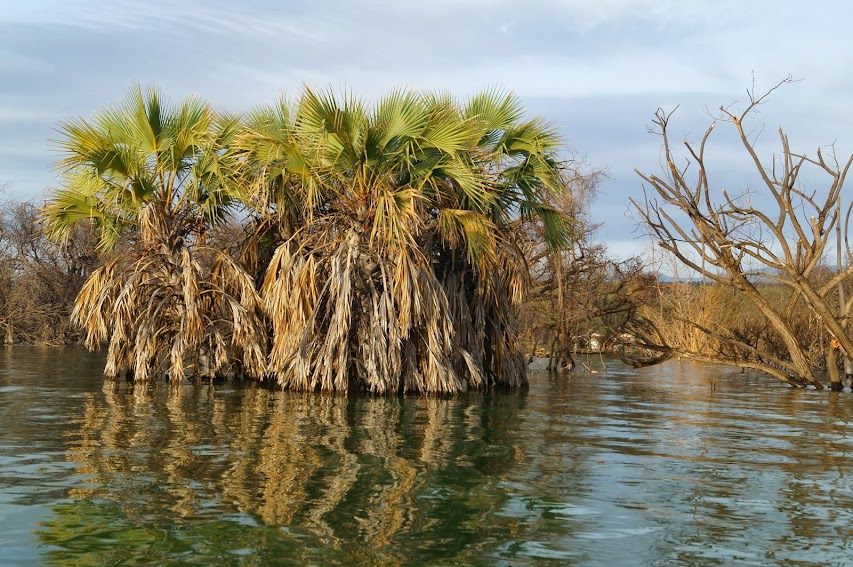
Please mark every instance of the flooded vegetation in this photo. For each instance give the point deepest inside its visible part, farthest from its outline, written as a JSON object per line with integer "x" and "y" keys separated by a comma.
{"x": 324, "y": 321}
{"x": 415, "y": 243}
{"x": 381, "y": 246}
{"x": 679, "y": 463}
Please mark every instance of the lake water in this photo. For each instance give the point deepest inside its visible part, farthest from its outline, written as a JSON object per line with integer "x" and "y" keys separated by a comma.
{"x": 679, "y": 464}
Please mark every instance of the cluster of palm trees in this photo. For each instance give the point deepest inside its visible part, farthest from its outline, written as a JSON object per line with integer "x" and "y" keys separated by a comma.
{"x": 383, "y": 246}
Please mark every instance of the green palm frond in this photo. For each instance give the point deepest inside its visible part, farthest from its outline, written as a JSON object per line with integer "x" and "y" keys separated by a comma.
{"x": 68, "y": 208}
{"x": 557, "y": 227}
{"x": 399, "y": 118}
{"x": 469, "y": 229}
{"x": 494, "y": 111}
{"x": 337, "y": 129}
{"x": 146, "y": 150}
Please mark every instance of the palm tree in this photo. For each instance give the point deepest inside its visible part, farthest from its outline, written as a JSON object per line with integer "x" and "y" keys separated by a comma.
{"x": 391, "y": 236}
{"x": 155, "y": 177}
{"x": 518, "y": 159}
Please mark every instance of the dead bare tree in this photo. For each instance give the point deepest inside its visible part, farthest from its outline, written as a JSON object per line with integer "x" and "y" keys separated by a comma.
{"x": 725, "y": 238}
{"x": 39, "y": 278}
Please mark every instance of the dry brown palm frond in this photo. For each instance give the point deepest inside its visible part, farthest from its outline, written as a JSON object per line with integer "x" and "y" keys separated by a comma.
{"x": 342, "y": 316}
{"x": 167, "y": 311}
{"x": 93, "y": 304}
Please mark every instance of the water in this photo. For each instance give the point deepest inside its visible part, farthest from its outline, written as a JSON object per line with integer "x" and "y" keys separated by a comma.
{"x": 620, "y": 467}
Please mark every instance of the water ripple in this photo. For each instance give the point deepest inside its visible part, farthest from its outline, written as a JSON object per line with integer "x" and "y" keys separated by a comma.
{"x": 623, "y": 467}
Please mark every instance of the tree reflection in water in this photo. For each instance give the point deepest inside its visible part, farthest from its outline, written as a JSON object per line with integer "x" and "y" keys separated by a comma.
{"x": 354, "y": 476}
{"x": 624, "y": 467}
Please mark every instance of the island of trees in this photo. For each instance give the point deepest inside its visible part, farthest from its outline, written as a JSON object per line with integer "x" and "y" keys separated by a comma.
{"x": 416, "y": 244}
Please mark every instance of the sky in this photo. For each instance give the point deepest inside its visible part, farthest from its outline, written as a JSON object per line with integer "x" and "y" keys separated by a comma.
{"x": 596, "y": 69}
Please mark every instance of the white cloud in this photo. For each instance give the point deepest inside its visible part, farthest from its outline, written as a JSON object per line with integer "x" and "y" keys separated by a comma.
{"x": 601, "y": 65}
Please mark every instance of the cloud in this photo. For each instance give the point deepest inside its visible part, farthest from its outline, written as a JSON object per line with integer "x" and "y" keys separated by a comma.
{"x": 596, "y": 68}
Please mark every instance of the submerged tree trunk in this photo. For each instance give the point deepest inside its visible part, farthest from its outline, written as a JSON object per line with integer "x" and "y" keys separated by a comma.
{"x": 783, "y": 328}
{"x": 561, "y": 353}
{"x": 835, "y": 383}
